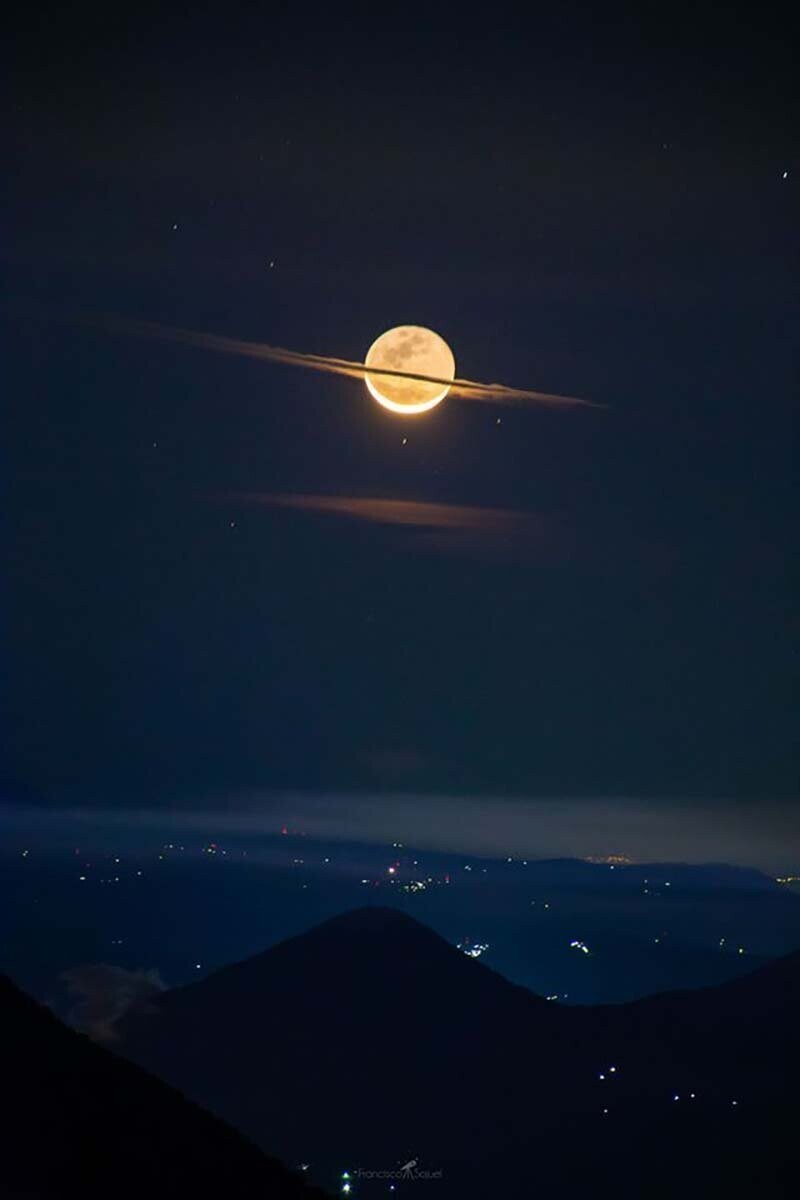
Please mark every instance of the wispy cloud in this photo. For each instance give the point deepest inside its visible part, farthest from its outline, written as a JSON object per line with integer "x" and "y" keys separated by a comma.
{"x": 105, "y": 994}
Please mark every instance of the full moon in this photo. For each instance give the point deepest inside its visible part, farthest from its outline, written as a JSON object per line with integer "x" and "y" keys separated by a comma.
{"x": 418, "y": 351}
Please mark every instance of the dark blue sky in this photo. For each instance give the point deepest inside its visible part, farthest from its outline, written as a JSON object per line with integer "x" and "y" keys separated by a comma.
{"x": 600, "y": 212}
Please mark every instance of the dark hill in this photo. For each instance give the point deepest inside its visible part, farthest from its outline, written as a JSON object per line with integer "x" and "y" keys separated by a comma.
{"x": 392, "y": 1044}
{"x": 368, "y": 1024}
{"x": 79, "y": 1121}
{"x": 736, "y": 1037}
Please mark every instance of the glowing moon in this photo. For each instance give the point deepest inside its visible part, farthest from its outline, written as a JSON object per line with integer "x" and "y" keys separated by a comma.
{"x": 419, "y": 351}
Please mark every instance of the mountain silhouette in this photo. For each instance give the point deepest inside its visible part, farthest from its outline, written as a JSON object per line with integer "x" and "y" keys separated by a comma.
{"x": 371, "y": 1040}
{"x": 79, "y": 1121}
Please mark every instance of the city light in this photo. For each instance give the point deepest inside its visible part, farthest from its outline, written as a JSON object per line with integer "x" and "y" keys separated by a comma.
{"x": 473, "y": 949}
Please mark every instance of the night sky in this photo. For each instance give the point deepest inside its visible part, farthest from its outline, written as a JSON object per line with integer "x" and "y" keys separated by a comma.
{"x": 211, "y": 591}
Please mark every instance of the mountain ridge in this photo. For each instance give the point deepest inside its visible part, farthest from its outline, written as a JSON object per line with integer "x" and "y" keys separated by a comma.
{"x": 393, "y": 1042}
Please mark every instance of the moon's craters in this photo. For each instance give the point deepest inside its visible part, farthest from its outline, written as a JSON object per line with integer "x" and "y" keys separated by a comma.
{"x": 415, "y": 349}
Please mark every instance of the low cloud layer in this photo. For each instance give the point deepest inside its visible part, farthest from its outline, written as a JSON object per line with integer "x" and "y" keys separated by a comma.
{"x": 755, "y": 833}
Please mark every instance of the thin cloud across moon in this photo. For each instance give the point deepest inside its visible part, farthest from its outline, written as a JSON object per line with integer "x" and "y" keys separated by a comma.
{"x": 380, "y": 376}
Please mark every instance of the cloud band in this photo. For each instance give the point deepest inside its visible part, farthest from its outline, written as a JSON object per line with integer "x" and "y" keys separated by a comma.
{"x": 468, "y": 389}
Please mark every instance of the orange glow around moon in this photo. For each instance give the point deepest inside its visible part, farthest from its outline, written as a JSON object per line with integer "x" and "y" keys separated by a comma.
{"x": 416, "y": 350}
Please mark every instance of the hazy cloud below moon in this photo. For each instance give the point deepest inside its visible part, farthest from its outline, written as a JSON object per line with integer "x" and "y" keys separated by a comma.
{"x": 458, "y": 528}
{"x": 419, "y": 513}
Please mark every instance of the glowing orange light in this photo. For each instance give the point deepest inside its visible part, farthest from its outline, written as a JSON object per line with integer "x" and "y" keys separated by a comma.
{"x": 416, "y": 350}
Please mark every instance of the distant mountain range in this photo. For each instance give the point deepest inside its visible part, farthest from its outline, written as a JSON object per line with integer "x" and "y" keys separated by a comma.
{"x": 80, "y": 1122}
{"x": 370, "y": 1042}
{"x": 649, "y": 926}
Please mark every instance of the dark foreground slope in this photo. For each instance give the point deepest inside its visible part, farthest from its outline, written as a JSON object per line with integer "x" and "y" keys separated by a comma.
{"x": 370, "y": 1041}
{"x": 79, "y": 1121}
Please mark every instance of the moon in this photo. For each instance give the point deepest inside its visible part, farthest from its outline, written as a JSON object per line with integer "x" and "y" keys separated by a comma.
{"x": 417, "y": 350}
